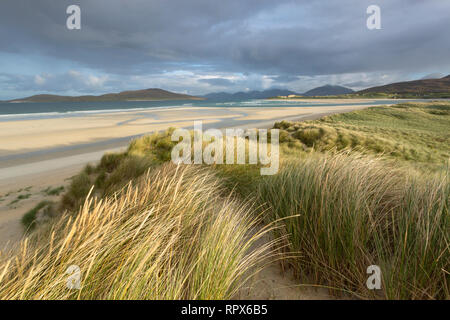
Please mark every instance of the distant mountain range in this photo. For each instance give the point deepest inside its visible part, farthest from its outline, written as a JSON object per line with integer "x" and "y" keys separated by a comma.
{"x": 136, "y": 95}
{"x": 223, "y": 96}
{"x": 424, "y": 86}
{"x": 270, "y": 93}
{"x": 328, "y": 90}
{"x": 427, "y": 86}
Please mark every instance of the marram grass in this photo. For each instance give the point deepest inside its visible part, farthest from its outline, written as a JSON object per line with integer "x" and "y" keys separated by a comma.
{"x": 173, "y": 235}
{"x": 354, "y": 212}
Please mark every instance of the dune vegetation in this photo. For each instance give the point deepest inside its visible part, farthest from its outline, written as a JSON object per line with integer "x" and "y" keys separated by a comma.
{"x": 173, "y": 234}
{"x": 368, "y": 187}
{"x": 416, "y": 133}
{"x": 353, "y": 212}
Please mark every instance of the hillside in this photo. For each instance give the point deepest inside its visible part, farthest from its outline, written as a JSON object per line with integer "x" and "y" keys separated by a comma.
{"x": 328, "y": 90}
{"x": 146, "y": 94}
{"x": 428, "y": 88}
{"x": 420, "y": 87}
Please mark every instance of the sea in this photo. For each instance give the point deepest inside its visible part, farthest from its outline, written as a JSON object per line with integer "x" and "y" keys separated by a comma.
{"x": 14, "y": 111}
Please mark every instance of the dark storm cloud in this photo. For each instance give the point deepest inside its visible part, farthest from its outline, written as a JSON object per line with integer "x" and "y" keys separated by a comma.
{"x": 127, "y": 36}
{"x": 221, "y": 82}
{"x": 281, "y": 38}
{"x": 284, "y": 78}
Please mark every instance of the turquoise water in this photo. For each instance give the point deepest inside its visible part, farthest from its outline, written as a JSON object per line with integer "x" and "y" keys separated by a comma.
{"x": 28, "y": 110}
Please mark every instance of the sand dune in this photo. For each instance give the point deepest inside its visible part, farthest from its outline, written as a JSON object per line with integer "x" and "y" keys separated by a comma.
{"x": 36, "y": 154}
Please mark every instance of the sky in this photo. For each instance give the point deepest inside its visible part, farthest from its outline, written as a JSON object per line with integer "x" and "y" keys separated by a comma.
{"x": 203, "y": 46}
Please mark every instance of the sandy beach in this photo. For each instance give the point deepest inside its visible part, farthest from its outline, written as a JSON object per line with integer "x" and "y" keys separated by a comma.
{"x": 46, "y": 153}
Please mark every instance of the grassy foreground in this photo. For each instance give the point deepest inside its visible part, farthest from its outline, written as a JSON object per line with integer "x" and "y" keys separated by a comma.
{"x": 353, "y": 212}
{"x": 171, "y": 236}
{"x": 369, "y": 187}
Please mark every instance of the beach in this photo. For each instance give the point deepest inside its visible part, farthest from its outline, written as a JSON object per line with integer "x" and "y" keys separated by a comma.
{"x": 40, "y": 154}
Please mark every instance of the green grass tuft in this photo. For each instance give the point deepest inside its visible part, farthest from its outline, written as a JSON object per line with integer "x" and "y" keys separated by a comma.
{"x": 29, "y": 219}
{"x": 54, "y": 191}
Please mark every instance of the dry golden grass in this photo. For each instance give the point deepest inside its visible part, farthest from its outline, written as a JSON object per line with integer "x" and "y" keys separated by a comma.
{"x": 173, "y": 235}
{"x": 356, "y": 211}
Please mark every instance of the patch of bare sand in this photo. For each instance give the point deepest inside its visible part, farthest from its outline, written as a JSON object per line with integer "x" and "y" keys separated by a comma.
{"x": 269, "y": 281}
{"x": 31, "y": 186}
{"x": 274, "y": 283}
{"x": 17, "y": 135}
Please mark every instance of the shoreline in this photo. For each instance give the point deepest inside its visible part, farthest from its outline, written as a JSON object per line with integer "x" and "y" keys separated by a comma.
{"x": 311, "y": 102}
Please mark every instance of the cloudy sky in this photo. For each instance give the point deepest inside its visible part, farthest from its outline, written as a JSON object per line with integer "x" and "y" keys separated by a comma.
{"x": 201, "y": 46}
